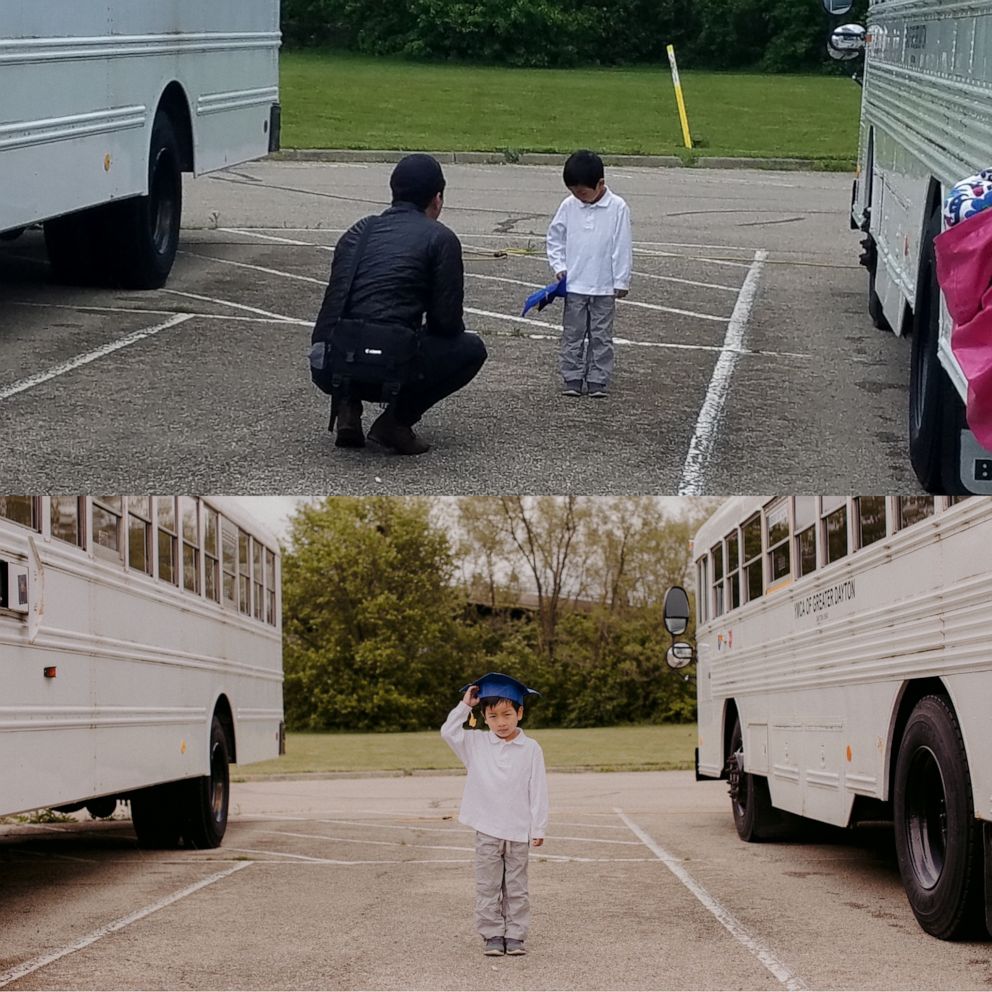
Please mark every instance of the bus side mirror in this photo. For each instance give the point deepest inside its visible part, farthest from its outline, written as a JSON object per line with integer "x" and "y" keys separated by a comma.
{"x": 837, "y": 8}
{"x": 679, "y": 655}
{"x": 847, "y": 41}
{"x": 676, "y": 611}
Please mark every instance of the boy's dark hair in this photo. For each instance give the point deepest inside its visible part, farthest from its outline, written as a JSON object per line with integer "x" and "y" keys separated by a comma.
{"x": 490, "y": 701}
{"x": 583, "y": 168}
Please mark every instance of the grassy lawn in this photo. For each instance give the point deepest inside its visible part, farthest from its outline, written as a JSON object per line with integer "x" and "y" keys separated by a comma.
{"x": 335, "y": 100}
{"x": 605, "y": 748}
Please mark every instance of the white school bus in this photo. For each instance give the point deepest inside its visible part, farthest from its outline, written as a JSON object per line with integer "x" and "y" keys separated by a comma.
{"x": 105, "y": 105}
{"x": 140, "y": 654}
{"x": 845, "y": 674}
{"x": 926, "y": 124}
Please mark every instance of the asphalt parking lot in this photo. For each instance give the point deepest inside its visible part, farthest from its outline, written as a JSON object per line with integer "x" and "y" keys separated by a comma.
{"x": 745, "y": 357}
{"x": 367, "y": 883}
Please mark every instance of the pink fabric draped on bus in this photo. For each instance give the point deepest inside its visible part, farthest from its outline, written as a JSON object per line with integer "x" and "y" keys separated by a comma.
{"x": 964, "y": 271}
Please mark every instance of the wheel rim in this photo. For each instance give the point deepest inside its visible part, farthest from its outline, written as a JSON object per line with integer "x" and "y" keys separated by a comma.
{"x": 926, "y": 817}
{"x": 218, "y": 776}
{"x": 163, "y": 203}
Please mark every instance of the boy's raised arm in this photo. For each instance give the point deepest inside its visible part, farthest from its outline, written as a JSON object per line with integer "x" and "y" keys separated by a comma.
{"x": 453, "y": 732}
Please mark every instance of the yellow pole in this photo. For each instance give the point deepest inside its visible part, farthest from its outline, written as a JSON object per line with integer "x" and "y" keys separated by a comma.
{"x": 678, "y": 97}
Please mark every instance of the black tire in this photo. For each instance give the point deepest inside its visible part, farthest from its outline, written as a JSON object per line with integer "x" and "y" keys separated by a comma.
{"x": 938, "y": 839}
{"x": 933, "y": 442}
{"x": 146, "y": 228}
{"x": 155, "y": 813}
{"x": 103, "y": 808}
{"x": 206, "y": 800}
{"x": 754, "y": 816}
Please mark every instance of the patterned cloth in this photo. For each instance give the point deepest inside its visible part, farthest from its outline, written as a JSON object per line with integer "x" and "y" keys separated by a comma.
{"x": 968, "y": 197}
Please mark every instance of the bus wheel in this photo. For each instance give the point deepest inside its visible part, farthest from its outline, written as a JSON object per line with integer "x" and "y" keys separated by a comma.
{"x": 932, "y": 447}
{"x": 938, "y": 839}
{"x": 754, "y": 816}
{"x": 155, "y": 815}
{"x": 103, "y": 808}
{"x": 147, "y": 227}
{"x": 206, "y": 799}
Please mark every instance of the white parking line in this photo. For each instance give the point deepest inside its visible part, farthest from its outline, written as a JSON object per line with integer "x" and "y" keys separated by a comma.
{"x": 708, "y": 422}
{"x": 19, "y": 971}
{"x": 158, "y": 313}
{"x": 687, "y": 282}
{"x": 281, "y": 317}
{"x": 256, "y": 268}
{"x": 91, "y": 356}
{"x": 730, "y": 922}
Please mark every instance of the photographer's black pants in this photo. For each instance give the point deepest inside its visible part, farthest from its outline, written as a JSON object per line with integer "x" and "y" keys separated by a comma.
{"x": 445, "y": 365}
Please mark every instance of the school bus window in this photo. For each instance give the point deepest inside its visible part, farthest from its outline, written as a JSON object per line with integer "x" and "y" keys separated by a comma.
{"x": 211, "y": 554}
{"x": 21, "y": 509}
{"x": 108, "y": 513}
{"x": 257, "y": 576}
{"x": 167, "y": 540}
{"x": 834, "y": 514}
{"x": 716, "y": 555}
{"x": 244, "y": 563}
{"x": 191, "y": 544}
{"x": 139, "y": 533}
{"x": 270, "y": 586}
{"x": 871, "y": 519}
{"x": 913, "y": 509}
{"x": 733, "y": 571}
{"x": 67, "y": 519}
{"x": 779, "y": 560}
{"x": 702, "y": 612}
{"x": 229, "y": 537}
{"x": 805, "y": 535}
{"x": 752, "y": 558}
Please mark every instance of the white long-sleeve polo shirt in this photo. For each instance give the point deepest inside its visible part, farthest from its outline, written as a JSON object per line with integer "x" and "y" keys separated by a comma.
{"x": 506, "y": 792}
{"x": 592, "y": 242}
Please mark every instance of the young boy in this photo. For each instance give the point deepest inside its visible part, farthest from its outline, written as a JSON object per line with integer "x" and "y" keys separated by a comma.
{"x": 505, "y": 800}
{"x": 589, "y": 241}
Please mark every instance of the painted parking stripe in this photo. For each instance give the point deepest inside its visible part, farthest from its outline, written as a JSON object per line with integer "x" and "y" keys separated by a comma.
{"x": 736, "y": 929}
{"x": 91, "y": 356}
{"x": 281, "y": 317}
{"x": 704, "y": 436}
{"x": 19, "y": 971}
{"x": 157, "y": 313}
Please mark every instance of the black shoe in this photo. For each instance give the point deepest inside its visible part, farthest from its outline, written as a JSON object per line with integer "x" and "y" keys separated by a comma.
{"x": 390, "y": 433}
{"x": 348, "y": 414}
{"x": 494, "y": 947}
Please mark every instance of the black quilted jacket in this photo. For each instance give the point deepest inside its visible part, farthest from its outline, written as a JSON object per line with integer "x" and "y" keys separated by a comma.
{"x": 410, "y": 273}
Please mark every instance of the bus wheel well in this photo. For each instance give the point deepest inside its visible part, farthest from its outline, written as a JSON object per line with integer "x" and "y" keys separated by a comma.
{"x": 912, "y": 694}
{"x": 223, "y": 713}
{"x": 729, "y": 719}
{"x": 175, "y": 104}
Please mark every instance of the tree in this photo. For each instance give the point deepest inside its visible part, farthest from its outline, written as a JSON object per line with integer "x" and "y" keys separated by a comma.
{"x": 372, "y": 639}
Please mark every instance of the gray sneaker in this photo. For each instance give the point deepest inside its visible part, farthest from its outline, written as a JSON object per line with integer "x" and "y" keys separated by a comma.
{"x": 597, "y": 392}
{"x": 514, "y": 946}
{"x": 494, "y": 947}
{"x": 572, "y": 389}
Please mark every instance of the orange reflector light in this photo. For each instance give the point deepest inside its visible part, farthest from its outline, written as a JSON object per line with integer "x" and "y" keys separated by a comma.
{"x": 51, "y": 672}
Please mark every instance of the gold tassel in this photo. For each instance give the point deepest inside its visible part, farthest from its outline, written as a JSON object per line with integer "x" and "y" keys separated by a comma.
{"x": 471, "y": 719}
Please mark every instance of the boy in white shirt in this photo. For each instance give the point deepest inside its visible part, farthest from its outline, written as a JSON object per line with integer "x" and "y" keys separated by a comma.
{"x": 589, "y": 241}
{"x": 505, "y": 801}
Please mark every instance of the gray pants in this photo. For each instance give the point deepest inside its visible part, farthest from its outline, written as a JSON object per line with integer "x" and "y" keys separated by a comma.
{"x": 587, "y": 318}
{"x": 502, "y": 908}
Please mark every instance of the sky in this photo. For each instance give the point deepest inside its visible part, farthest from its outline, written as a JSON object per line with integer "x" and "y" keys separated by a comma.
{"x": 274, "y": 511}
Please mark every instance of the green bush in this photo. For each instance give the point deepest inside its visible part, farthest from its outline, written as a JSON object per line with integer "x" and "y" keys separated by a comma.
{"x": 773, "y": 35}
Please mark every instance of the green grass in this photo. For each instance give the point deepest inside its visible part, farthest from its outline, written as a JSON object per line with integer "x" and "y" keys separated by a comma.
{"x": 604, "y": 748}
{"x": 335, "y": 100}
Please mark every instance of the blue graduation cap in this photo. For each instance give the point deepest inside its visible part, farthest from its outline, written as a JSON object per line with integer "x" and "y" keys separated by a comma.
{"x": 542, "y": 297}
{"x": 504, "y": 686}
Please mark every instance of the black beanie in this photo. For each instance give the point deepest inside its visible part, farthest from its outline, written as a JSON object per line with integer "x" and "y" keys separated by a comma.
{"x": 417, "y": 179}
